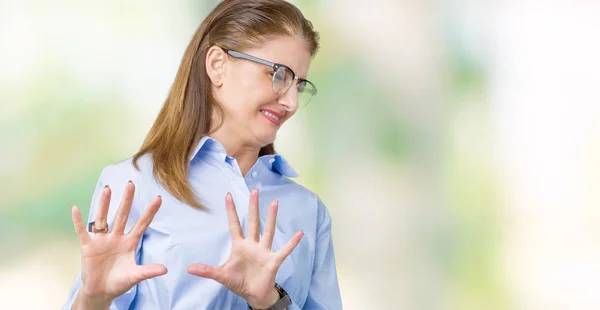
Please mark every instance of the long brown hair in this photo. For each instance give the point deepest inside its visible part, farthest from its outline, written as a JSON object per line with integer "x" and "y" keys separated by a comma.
{"x": 186, "y": 115}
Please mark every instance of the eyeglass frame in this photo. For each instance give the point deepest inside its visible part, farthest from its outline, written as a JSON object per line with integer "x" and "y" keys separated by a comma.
{"x": 273, "y": 65}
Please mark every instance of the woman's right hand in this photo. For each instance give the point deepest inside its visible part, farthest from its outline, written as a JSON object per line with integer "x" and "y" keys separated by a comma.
{"x": 108, "y": 265}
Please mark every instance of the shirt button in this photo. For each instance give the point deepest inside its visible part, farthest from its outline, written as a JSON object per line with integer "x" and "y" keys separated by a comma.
{"x": 272, "y": 160}
{"x": 254, "y": 174}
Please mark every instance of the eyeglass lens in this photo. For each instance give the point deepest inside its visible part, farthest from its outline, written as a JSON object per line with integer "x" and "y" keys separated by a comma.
{"x": 283, "y": 78}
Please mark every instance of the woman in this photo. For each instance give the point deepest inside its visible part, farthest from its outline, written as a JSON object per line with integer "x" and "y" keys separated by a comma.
{"x": 241, "y": 78}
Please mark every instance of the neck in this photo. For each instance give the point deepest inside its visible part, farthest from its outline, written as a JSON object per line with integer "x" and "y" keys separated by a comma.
{"x": 245, "y": 155}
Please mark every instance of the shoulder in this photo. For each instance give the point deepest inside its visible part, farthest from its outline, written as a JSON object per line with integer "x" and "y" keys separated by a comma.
{"x": 318, "y": 209}
{"x": 125, "y": 170}
{"x": 117, "y": 174}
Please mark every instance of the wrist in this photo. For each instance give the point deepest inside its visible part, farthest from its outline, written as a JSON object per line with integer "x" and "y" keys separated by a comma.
{"x": 85, "y": 301}
{"x": 281, "y": 300}
{"x": 271, "y": 300}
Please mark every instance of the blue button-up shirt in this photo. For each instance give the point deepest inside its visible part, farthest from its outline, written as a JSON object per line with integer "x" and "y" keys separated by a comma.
{"x": 181, "y": 235}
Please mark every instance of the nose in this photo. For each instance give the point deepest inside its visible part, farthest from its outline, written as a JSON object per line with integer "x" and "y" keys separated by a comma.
{"x": 289, "y": 99}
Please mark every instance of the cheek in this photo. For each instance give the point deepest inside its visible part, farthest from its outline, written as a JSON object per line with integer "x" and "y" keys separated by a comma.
{"x": 255, "y": 94}
{"x": 246, "y": 92}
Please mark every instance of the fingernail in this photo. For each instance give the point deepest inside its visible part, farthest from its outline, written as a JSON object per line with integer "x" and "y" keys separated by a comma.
{"x": 159, "y": 196}
{"x": 130, "y": 182}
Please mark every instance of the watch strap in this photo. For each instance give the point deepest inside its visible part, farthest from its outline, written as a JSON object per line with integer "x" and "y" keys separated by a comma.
{"x": 282, "y": 303}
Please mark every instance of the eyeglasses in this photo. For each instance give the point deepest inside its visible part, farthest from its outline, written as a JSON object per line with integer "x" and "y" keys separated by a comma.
{"x": 282, "y": 78}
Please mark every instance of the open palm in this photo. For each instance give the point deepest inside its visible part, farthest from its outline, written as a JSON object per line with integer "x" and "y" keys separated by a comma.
{"x": 251, "y": 268}
{"x": 108, "y": 266}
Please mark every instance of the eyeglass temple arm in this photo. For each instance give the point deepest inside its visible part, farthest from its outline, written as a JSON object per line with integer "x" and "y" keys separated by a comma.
{"x": 249, "y": 57}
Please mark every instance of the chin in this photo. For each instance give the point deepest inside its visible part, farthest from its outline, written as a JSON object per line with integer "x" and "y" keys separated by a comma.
{"x": 266, "y": 139}
{"x": 266, "y": 142}
{"x": 264, "y": 133}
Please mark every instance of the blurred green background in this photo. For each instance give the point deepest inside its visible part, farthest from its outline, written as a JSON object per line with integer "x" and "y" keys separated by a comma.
{"x": 456, "y": 144}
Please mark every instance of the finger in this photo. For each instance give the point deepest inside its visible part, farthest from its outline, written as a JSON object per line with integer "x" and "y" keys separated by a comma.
{"x": 124, "y": 208}
{"x": 144, "y": 272}
{"x": 283, "y": 253}
{"x": 253, "y": 218}
{"x": 267, "y": 237}
{"x": 102, "y": 211}
{"x": 82, "y": 234}
{"x": 205, "y": 271}
{"x": 232, "y": 218}
{"x": 144, "y": 221}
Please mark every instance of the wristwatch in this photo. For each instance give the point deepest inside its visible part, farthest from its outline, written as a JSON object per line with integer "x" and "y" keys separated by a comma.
{"x": 282, "y": 303}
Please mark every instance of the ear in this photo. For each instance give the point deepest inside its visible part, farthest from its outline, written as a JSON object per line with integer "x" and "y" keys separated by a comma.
{"x": 215, "y": 65}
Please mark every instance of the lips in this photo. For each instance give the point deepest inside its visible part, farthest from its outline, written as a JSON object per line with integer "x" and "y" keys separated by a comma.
{"x": 272, "y": 116}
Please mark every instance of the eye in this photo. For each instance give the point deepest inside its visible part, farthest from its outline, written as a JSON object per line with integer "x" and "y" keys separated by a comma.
{"x": 301, "y": 86}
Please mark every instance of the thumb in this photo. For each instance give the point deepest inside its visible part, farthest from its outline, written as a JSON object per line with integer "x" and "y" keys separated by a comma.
{"x": 149, "y": 271}
{"x": 204, "y": 271}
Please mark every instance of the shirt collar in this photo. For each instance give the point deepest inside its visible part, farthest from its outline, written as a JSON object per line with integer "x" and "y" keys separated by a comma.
{"x": 278, "y": 164}
{"x": 207, "y": 143}
{"x": 274, "y": 162}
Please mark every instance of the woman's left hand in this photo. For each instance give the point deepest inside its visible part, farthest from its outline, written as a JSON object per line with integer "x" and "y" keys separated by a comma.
{"x": 251, "y": 268}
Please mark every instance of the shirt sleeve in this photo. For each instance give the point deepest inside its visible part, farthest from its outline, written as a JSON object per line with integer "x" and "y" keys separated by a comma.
{"x": 116, "y": 179}
{"x": 324, "y": 291}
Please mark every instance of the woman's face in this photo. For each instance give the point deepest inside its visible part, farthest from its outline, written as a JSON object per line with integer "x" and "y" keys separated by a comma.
{"x": 254, "y": 112}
